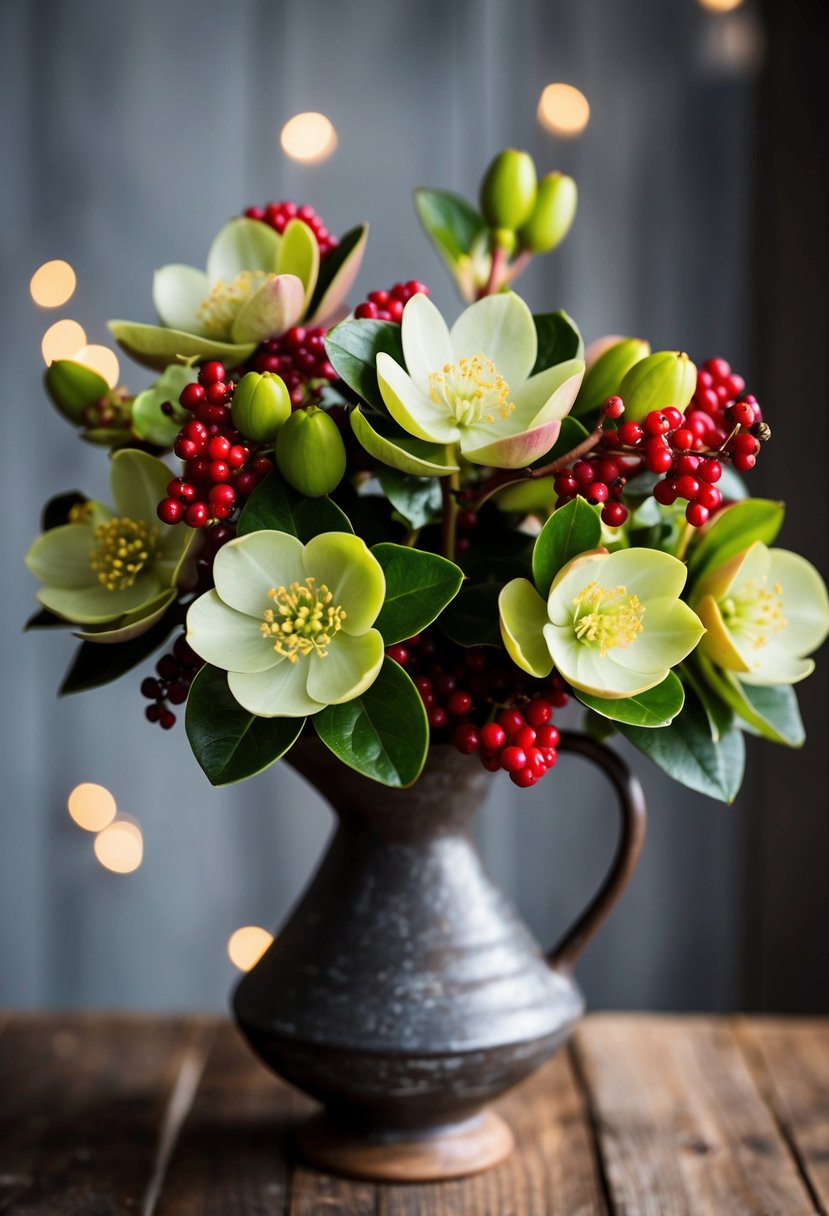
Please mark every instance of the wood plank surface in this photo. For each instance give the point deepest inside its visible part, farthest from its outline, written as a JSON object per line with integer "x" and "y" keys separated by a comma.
{"x": 682, "y": 1126}
{"x": 790, "y": 1062}
{"x": 81, "y": 1103}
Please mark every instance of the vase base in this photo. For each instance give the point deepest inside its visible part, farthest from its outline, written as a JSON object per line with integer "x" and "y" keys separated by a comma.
{"x": 456, "y": 1151}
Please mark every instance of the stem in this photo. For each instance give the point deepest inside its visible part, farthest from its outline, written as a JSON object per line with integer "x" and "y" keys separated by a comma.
{"x": 684, "y": 539}
{"x": 509, "y": 477}
{"x": 518, "y": 266}
{"x": 449, "y": 487}
{"x": 496, "y": 273}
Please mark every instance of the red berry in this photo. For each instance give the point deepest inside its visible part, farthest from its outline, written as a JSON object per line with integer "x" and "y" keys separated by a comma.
{"x": 399, "y": 654}
{"x": 696, "y": 514}
{"x": 493, "y": 736}
{"x": 674, "y": 416}
{"x": 459, "y": 703}
{"x": 709, "y": 496}
{"x": 212, "y": 372}
{"x": 597, "y": 492}
{"x": 538, "y": 712}
{"x": 656, "y": 423}
{"x": 525, "y": 737}
{"x": 665, "y": 493}
{"x": 614, "y": 514}
{"x": 718, "y": 368}
{"x": 218, "y": 447}
{"x": 222, "y": 496}
{"x": 511, "y": 720}
{"x": 683, "y": 439}
{"x": 219, "y": 470}
{"x": 735, "y": 384}
{"x": 740, "y": 413}
{"x": 606, "y": 471}
{"x": 630, "y": 434}
{"x": 657, "y": 456}
{"x": 513, "y": 758}
{"x": 710, "y": 471}
{"x": 490, "y": 762}
{"x": 196, "y": 515}
{"x": 584, "y": 472}
{"x": 466, "y": 739}
{"x": 536, "y": 761}
{"x": 687, "y": 487}
{"x": 745, "y": 443}
{"x": 169, "y": 510}
{"x": 523, "y": 778}
{"x": 565, "y": 483}
{"x": 614, "y": 407}
{"x": 547, "y": 736}
{"x": 191, "y": 396}
{"x": 743, "y": 461}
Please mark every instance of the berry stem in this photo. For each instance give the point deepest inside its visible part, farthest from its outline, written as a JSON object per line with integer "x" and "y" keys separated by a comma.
{"x": 497, "y": 272}
{"x": 518, "y": 266}
{"x": 449, "y": 487}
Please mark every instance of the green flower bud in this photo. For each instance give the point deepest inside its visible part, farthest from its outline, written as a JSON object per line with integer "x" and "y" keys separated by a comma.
{"x": 604, "y": 378}
{"x": 552, "y": 215}
{"x": 504, "y": 238}
{"x": 261, "y": 404}
{"x": 508, "y": 189}
{"x": 310, "y": 452}
{"x": 667, "y": 377}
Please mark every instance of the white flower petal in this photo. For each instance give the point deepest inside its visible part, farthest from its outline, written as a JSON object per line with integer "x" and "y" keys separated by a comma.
{"x": 427, "y": 346}
{"x": 178, "y": 292}
{"x": 548, "y": 395}
{"x": 584, "y": 668}
{"x": 242, "y": 244}
{"x": 226, "y": 638}
{"x": 670, "y": 631}
{"x": 805, "y": 602}
{"x": 412, "y": 409}
{"x": 650, "y": 574}
{"x": 501, "y": 328}
{"x": 350, "y": 667}
{"x": 279, "y": 692}
{"x": 245, "y": 569}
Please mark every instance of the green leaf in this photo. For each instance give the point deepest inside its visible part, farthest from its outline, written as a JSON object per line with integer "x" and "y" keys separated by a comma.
{"x": 275, "y": 506}
{"x": 229, "y": 743}
{"x": 383, "y": 734}
{"x": 770, "y": 710}
{"x": 733, "y": 531}
{"x": 472, "y": 618}
{"x": 450, "y": 221}
{"x": 720, "y": 715}
{"x": 352, "y": 348}
{"x": 98, "y": 663}
{"x": 157, "y": 347}
{"x": 349, "y": 250}
{"x": 649, "y": 710}
{"x": 570, "y": 436}
{"x": 685, "y": 751}
{"x": 73, "y": 387}
{"x": 386, "y": 442}
{"x": 570, "y": 530}
{"x": 558, "y": 340}
{"x": 417, "y": 499}
{"x": 418, "y": 587}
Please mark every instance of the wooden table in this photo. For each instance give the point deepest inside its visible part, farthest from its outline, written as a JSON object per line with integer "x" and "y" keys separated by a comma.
{"x": 643, "y": 1115}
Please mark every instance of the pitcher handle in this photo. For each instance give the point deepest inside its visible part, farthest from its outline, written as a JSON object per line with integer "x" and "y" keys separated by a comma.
{"x": 628, "y": 849}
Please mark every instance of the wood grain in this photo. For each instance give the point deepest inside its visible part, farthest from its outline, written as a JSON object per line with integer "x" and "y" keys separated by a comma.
{"x": 81, "y": 1102}
{"x": 682, "y": 1125}
{"x": 790, "y": 1062}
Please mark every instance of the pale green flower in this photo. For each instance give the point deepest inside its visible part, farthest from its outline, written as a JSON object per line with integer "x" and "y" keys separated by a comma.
{"x": 470, "y": 388}
{"x": 765, "y": 610}
{"x": 114, "y": 571}
{"x": 291, "y": 624}
{"x": 613, "y": 624}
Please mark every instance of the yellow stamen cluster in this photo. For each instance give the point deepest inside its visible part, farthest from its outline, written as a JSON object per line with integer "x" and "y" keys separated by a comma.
{"x": 755, "y": 612}
{"x": 607, "y": 617}
{"x": 303, "y": 620}
{"x": 81, "y": 512}
{"x": 472, "y": 390}
{"x": 124, "y": 548}
{"x": 217, "y": 311}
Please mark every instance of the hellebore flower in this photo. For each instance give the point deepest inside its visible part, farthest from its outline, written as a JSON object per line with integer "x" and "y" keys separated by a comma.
{"x": 764, "y": 610}
{"x": 613, "y": 624}
{"x": 291, "y": 624}
{"x": 114, "y": 571}
{"x": 471, "y": 388}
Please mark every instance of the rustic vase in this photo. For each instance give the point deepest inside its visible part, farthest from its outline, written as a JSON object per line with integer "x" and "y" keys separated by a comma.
{"x": 404, "y": 992}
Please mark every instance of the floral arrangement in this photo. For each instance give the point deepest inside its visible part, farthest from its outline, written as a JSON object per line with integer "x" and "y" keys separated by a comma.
{"x": 391, "y": 533}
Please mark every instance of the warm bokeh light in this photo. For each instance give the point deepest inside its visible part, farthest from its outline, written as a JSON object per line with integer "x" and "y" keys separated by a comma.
{"x": 52, "y": 284}
{"x": 247, "y": 945}
{"x": 720, "y": 6}
{"x": 563, "y": 109}
{"x": 120, "y": 847}
{"x": 308, "y": 137}
{"x": 62, "y": 340}
{"x": 102, "y": 360}
{"x": 91, "y": 806}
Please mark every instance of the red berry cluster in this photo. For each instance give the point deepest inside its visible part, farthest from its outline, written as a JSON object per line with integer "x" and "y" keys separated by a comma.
{"x": 721, "y": 413}
{"x": 389, "y": 305}
{"x": 299, "y": 357}
{"x": 277, "y": 215}
{"x": 220, "y": 470}
{"x": 175, "y": 673}
{"x": 481, "y": 702}
{"x": 601, "y": 481}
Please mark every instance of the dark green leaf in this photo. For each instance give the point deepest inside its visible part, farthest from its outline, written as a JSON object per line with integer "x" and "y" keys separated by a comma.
{"x": 685, "y": 751}
{"x": 558, "y": 340}
{"x": 333, "y": 262}
{"x": 229, "y": 743}
{"x": 650, "y": 710}
{"x": 733, "y": 531}
{"x": 418, "y": 587}
{"x": 570, "y": 530}
{"x": 275, "y": 506}
{"x": 97, "y": 663}
{"x": 73, "y": 387}
{"x": 450, "y": 221}
{"x": 472, "y": 618}
{"x": 417, "y": 499}
{"x": 352, "y": 348}
{"x": 769, "y": 710}
{"x": 56, "y": 511}
{"x": 720, "y": 715}
{"x": 383, "y": 734}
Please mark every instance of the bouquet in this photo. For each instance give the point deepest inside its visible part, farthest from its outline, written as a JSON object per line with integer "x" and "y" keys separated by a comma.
{"x": 393, "y": 533}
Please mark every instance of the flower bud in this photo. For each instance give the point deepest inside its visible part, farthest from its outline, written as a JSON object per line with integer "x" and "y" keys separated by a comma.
{"x": 310, "y": 452}
{"x": 604, "y": 377}
{"x": 667, "y": 377}
{"x": 261, "y": 404}
{"x": 552, "y": 215}
{"x": 508, "y": 189}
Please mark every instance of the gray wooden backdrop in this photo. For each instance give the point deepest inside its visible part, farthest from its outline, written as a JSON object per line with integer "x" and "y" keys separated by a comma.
{"x": 130, "y": 133}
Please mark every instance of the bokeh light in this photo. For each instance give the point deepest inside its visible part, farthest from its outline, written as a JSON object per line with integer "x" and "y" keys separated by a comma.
{"x": 308, "y": 137}
{"x": 52, "y": 284}
{"x": 564, "y": 110}
{"x": 120, "y": 847}
{"x": 62, "y": 340}
{"x": 91, "y": 806}
{"x": 720, "y": 6}
{"x": 247, "y": 945}
{"x": 101, "y": 360}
